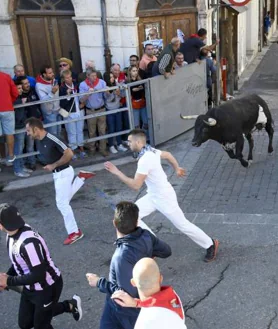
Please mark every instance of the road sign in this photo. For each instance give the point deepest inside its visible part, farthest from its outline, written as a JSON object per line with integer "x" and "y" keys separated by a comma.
{"x": 239, "y": 2}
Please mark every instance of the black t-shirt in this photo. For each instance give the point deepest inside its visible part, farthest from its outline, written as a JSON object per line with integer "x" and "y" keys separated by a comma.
{"x": 51, "y": 148}
{"x": 191, "y": 49}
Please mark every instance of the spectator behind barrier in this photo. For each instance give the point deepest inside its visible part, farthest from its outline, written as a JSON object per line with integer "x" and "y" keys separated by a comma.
{"x": 8, "y": 95}
{"x": 165, "y": 62}
{"x": 71, "y": 105}
{"x": 19, "y": 71}
{"x": 114, "y": 121}
{"x": 66, "y": 64}
{"x": 90, "y": 64}
{"x": 47, "y": 88}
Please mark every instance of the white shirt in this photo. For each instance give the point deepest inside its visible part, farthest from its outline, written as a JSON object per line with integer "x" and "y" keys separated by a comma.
{"x": 158, "y": 318}
{"x": 150, "y": 164}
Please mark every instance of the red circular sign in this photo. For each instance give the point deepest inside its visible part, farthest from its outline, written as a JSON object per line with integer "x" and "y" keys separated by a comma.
{"x": 239, "y": 2}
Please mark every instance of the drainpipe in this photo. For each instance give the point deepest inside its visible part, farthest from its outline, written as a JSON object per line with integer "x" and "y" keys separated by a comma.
{"x": 107, "y": 52}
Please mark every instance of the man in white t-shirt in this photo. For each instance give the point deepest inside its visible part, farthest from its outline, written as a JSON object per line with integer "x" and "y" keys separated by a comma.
{"x": 161, "y": 307}
{"x": 160, "y": 194}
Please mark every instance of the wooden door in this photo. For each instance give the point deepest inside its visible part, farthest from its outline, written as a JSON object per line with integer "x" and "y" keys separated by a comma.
{"x": 166, "y": 27}
{"x": 44, "y": 39}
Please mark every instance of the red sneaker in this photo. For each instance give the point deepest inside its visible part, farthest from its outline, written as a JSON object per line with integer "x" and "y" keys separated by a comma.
{"x": 73, "y": 237}
{"x": 86, "y": 174}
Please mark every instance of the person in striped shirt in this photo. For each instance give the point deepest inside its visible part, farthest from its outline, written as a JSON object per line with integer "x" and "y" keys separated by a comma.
{"x": 34, "y": 270}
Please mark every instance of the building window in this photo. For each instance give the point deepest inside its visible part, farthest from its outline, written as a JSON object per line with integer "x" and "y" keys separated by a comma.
{"x": 165, "y": 4}
{"x": 51, "y": 5}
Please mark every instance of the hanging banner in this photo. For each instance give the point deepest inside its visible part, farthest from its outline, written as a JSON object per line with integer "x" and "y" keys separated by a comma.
{"x": 239, "y": 2}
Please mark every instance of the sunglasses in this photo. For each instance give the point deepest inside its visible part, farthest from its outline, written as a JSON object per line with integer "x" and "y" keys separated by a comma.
{"x": 63, "y": 65}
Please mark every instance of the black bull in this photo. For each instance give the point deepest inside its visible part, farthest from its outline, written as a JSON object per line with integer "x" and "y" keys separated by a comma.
{"x": 228, "y": 123}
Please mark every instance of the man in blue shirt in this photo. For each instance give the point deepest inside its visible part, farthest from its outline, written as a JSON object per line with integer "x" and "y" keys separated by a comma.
{"x": 19, "y": 71}
{"x": 133, "y": 243}
{"x": 210, "y": 70}
{"x": 94, "y": 103}
{"x": 192, "y": 46}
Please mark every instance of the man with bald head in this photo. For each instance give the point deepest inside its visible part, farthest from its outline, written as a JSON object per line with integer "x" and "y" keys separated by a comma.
{"x": 166, "y": 60}
{"x": 161, "y": 307}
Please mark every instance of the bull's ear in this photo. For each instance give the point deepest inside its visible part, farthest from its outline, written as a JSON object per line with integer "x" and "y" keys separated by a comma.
{"x": 211, "y": 122}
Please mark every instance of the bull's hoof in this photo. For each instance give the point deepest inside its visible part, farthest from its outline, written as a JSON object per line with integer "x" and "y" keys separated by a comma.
{"x": 270, "y": 153}
{"x": 249, "y": 163}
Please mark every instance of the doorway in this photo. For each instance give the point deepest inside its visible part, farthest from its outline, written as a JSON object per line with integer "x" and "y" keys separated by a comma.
{"x": 47, "y": 32}
{"x": 165, "y": 17}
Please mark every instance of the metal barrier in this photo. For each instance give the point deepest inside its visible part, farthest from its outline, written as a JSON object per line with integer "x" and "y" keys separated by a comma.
{"x": 185, "y": 93}
{"x": 95, "y": 115}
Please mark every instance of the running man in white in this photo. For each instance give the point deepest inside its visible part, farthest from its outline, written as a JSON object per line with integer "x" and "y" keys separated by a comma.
{"x": 160, "y": 194}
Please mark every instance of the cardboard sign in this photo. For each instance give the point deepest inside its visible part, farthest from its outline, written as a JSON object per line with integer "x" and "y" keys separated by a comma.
{"x": 239, "y": 2}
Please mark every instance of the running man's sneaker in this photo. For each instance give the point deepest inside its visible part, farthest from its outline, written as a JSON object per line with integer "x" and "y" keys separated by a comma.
{"x": 86, "y": 174}
{"x": 74, "y": 157}
{"x": 76, "y": 308}
{"x": 73, "y": 237}
{"x": 212, "y": 251}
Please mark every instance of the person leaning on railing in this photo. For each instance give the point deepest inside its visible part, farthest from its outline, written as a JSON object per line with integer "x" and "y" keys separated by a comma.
{"x": 95, "y": 104}
{"x": 71, "y": 105}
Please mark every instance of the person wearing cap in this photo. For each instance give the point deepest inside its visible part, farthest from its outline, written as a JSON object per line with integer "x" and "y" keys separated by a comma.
{"x": 161, "y": 307}
{"x": 66, "y": 64}
{"x": 57, "y": 157}
{"x": 33, "y": 269}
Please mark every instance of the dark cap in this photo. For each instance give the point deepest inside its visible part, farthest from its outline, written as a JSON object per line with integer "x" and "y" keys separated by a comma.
{"x": 10, "y": 217}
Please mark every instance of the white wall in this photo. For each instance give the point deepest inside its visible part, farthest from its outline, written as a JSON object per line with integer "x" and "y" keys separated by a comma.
{"x": 252, "y": 29}
{"x": 241, "y": 55}
{"x": 9, "y": 43}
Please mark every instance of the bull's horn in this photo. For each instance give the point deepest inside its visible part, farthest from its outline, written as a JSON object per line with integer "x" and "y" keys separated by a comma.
{"x": 211, "y": 122}
{"x": 189, "y": 117}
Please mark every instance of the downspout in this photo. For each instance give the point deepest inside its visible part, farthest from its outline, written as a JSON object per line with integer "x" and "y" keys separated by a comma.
{"x": 107, "y": 52}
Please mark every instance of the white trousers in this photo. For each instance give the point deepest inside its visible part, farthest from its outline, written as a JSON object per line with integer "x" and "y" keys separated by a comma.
{"x": 65, "y": 188}
{"x": 169, "y": 207}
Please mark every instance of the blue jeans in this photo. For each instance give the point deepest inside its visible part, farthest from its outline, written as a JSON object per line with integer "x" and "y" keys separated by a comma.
{"x": 51, "y": 118}
{"x": 75, "y": 131}
{"x": 18, "y": 150}
{"x": 114, "y": 124}
{"x": 111, "y": 319}
{"x": 141, "y": 115}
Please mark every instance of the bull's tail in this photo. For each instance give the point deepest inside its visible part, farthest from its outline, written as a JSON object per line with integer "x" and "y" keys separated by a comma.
{"x": 267, "y": 112}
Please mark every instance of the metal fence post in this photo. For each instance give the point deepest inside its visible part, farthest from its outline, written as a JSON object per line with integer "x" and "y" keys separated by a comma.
{"x": 129, "y": 106}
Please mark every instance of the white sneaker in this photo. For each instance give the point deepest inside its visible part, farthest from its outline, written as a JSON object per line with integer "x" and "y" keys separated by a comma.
{"x": 113, "y": 150}
{"x": 28, "y": 171}
{"x": 22, "y": 174}
{"x": 122, "y": 148}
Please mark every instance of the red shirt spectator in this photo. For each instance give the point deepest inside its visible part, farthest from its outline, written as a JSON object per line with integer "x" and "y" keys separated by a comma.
{"x": 8, "y": 93}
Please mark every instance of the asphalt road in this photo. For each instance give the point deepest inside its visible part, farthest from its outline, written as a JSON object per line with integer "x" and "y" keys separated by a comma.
{"x": 236, "y": 205}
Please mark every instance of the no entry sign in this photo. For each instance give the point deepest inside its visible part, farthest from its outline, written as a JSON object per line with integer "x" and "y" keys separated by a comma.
{"x": 239, "y": 2}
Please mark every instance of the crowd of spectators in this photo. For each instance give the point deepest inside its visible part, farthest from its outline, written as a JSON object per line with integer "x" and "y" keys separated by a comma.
{"x": 48, "y": 86}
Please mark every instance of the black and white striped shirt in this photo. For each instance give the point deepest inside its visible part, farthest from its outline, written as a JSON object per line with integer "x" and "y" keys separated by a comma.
{"x": 31, "y": 261}
{"x": 51, "y": 148}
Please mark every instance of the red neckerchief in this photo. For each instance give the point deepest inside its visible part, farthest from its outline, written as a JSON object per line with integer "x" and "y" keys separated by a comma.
{"x": 90, "y": 84}
{"x": 194, "y": 36}
{"x": 166, "y": 298}
{"x": 40, "y": 79}
{"x": 72, "y": 88}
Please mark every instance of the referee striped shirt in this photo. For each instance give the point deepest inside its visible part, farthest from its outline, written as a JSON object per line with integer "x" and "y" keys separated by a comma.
{"x": 27, "y": 249}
